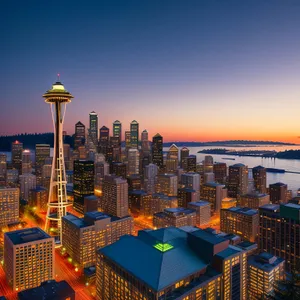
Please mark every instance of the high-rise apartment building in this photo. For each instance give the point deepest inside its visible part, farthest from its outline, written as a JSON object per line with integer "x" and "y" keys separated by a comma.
{"x": 28, "y": 258}
{"x": 279, "y": 232}
{"x": 278, "y": 193}
{"x": 83, "y": 236}
{"x": 160, "y": 202}
{"x": 93, "y": 130}
{"x": 214, "y": 193}
{"x": 237, "y": 180}
{"x": 27, "y": 183}
{"x": 134, "y": 134}
{"x": 127, "y": 140}
{"x": 260, "y": 179}
{"x": 79, "y": 138}
{"x": 42, "y": 152}
{"x": 16, "y": 155}
{"x": 176, "y": 217}
{"x": 26, "y": 162}
{"x": 133, "y": 161}
{"x": 175, "y": 266}
{"x": 167, "y": 184}
{"x": 3, "y": 169}
{"x": 240, "y": 221}
{"x": 117, "y": 130}
{"x": 139, "y": 203}
{"x": 150, "y": 173}
{"x": 115, "y": 196}
{"x": 83, "y": 182}
{"x": 101, "y": 170}
{"x": 264, "y": 270}
{"x": 203, "y": 212}
{"x": 220, "y": 171}
{"x": 254, "y": 200}
{"x": 157, "y": 151}
{"x": 9, "y": 206}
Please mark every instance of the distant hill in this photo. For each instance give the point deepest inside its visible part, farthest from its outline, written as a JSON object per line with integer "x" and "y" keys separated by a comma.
{"x": 30, "y": 140}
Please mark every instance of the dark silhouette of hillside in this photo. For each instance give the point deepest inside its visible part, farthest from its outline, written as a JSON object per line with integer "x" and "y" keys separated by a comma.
{"x": 29, "y": 140}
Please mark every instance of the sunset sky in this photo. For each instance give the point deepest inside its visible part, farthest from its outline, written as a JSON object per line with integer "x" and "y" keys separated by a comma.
{"x": 190, "y": 70}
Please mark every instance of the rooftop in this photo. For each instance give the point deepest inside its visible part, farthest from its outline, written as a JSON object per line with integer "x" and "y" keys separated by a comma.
{"x": 27, "y": 235}
{"x": 237, "y": 166}
{"x": 243, "y": 210}
{"x": 164, "y": 253}
{"x": 199, "y": 203}
{"x": 278, "y": 184}
{"x": 213, "y": 184}
{"x": 270, "y": 207}
{"x": 264, "y": 261}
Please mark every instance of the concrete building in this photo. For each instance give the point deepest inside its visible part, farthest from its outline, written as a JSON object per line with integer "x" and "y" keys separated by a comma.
{"x": 191, "y": 180}
{"x": 27, "y": 183}
{"x": 49, "y": 290}
{"x": 278, "y": 193}
{"x": 176, "y": 217}
{"x": 140, "y": 203}
{"x": 177, "y": 264}
{"x": 228, "y": 202}
{"x": 161, "y": 201}
{"x": 115, "y": 196}
{"x": 237, "y": 180}
{"x": 263, "y": 271}
{"x": 157, "y": 151}
{"x": 16, "y": 155}
{"x": 101, "y": 170}
{"x": 186, "y": 195}
{"x": 279, "y": 232}
{"x": 191, "y": 163}
{"x": 203, "y": 212}
{"x": 118, "y": 169}
{"x": 220, "y": 171}
{"x": 134, "y": 182}
{"x": 184, "y": 153}
{"x": 83, "y": 236}
{"x": 9, "y": 206}
{"x": 26, "y": 162}
{"x": 254, "y": 200}
{"x": 42, "y": 152}
{"x": 214, "y": 193}
{"x": 241, "y": 221}
{"x": 28, "y": 258}
{"x": 260, "y": 179}
{"x": 150, "y": 173}
{"x": 38, "y": 198}
{"x": 133, "y": 161}
{"x": 167, "y": 184}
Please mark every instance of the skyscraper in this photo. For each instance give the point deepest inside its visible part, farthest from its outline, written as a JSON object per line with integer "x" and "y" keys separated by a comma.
{"x": 16, "y": 155}
{"x": 150, "y": 173}
{"x": 117, "y": 130}
{"x": 133, "y": 161}
{"x": 57, "y": 97}
{"x": 279, "y": 232}
{"x": 191, "y": 180}
{"x": 27, "y": 182}
{"x": 115, "y": 196}
{"x": 83, "y": 182}
{"x": 184, "y": 153}
{"x": 237, "y": 180}
{"x": 42, "y": 152}
{"x": 3, "y": 169}
{"x": 220, "y": 171}
{"x": 134, "y": 134}
{"x": 260, "y": 179}
{"x": 94, "y": 128}
{"x": 167, "y": 184}
{"x": 26, "y": 162}
{"x": 157, "y": 150}
{"x": 104, "y": 140}
{"x": 79, "y": 138}
{"x": 191, "y": 163}
{"x": 127, "y": 140}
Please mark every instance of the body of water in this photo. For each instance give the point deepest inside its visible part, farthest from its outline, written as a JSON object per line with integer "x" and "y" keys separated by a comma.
{"x": 293, "y": 180}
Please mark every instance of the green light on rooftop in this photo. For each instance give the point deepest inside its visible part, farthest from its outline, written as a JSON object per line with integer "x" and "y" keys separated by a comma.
{"x": 163, "y": 247}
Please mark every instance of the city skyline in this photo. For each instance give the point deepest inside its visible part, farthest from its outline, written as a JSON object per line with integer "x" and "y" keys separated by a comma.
{"x": 191, "y": 73}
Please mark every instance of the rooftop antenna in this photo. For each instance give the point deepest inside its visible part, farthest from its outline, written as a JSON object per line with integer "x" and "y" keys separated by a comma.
{"x": 58, "y": 77}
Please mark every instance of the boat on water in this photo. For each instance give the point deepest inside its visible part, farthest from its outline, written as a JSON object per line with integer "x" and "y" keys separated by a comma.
{"x": 228, "y": 158}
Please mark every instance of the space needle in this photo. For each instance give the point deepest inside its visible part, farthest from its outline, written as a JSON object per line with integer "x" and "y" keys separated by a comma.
{"x": 58, "y": 98}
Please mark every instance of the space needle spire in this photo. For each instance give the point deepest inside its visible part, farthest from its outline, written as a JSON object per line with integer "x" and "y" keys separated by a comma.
{"x": 57, "y": 97}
